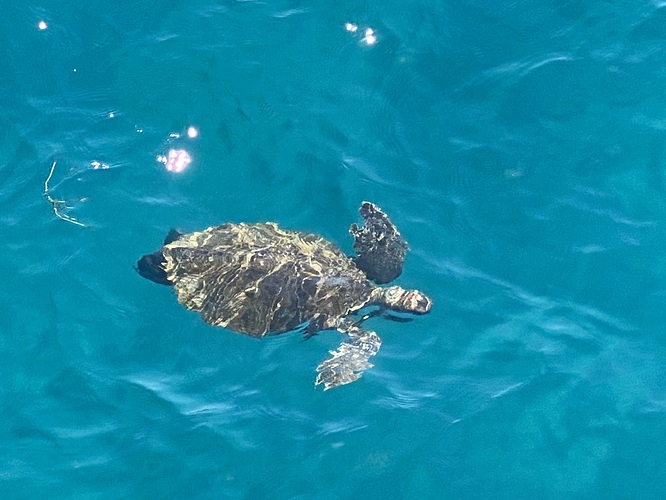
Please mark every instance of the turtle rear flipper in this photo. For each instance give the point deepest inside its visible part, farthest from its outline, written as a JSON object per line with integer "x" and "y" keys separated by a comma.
{"x": 151, "y": 266}
{"x": 349, "y": 360}
{"x": 172, "y": 236}
{"x": 380, "y": 250}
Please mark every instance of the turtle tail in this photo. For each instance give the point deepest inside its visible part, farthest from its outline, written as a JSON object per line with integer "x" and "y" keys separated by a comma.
{"x": 151, "y": 266}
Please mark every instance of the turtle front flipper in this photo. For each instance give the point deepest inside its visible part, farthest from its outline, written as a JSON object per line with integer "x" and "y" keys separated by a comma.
{"x": 380, "y": 250}
{"x": 351, "y": 357}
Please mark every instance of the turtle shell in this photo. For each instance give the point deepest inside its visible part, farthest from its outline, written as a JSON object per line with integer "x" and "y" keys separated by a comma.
{"x": 258, "y": 279}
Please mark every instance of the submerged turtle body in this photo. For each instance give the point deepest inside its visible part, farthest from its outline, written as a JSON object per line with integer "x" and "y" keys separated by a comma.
{"x": 258, "y": 279}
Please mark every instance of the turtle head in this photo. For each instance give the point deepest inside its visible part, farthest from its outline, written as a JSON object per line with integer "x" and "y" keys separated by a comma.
{"x": 402, "y": 300}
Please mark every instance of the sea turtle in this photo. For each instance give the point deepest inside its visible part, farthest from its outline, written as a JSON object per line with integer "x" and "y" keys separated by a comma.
{"x": 258, "y": 279}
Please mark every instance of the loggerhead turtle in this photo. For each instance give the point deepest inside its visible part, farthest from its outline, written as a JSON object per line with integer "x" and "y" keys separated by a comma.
{"x": 259, "y": 280}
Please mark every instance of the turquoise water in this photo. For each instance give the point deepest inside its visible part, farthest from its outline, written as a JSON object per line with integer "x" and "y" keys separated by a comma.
{"x": 519, "y": 147}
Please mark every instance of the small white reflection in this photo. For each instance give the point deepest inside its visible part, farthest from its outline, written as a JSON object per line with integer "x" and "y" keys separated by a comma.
{"x": 506, "y": 390}
{"x": 98, "y": 166}
{"x": 369, "y": 37}
{"x": 191, "y": 132}
{"x": 42, "y": 25}
{"x": 176, "y": 160}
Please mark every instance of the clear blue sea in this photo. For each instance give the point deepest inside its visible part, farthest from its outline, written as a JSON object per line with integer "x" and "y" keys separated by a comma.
{"x": 520, "y": 148}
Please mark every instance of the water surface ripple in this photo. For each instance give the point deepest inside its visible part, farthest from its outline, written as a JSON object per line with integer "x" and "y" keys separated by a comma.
{"x": 519, "y": 148}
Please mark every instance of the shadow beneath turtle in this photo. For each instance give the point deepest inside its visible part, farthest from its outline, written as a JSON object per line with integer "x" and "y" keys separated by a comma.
{"x": 386, "y": 314}
{"x": 379, "y": 312}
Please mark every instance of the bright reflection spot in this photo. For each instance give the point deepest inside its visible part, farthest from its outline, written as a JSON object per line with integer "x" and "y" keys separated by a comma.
{"x": 192, "y": 132}
{"x": 369, "y": 37}
{"x": 42, "y": 25}
{"x": 111, "y": 115}
{"x": 176, "y": 161}
{"x": 98, "y": 166}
